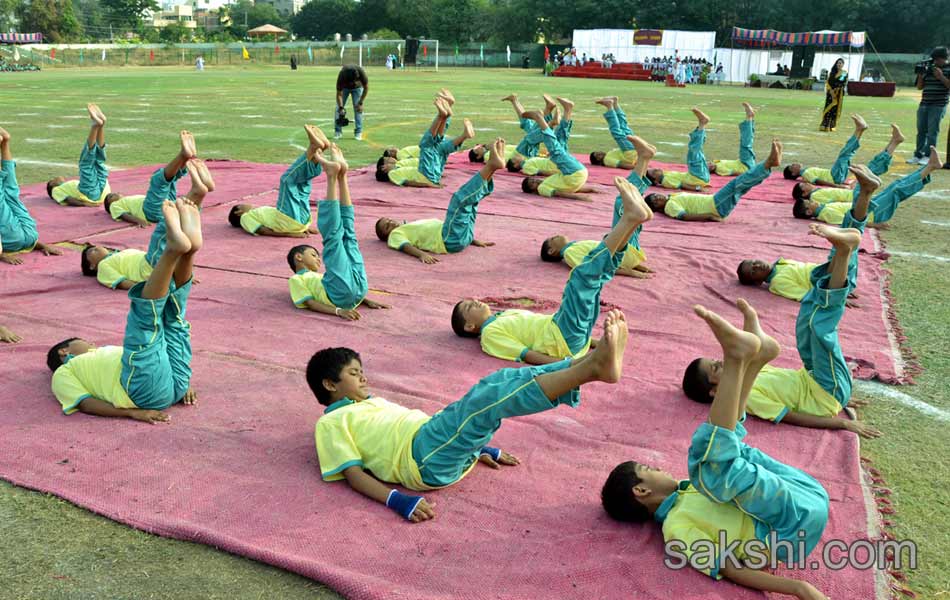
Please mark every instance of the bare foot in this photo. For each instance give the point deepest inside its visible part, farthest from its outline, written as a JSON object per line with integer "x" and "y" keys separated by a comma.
{"x": 749, "y": 111}
{"x": 93, "y": 111}
{"x": 204, "y": 173}
{"x": 564, "y": 102}
{"x": 770, "y": 348}
{"x": 497, "y": 157}
{"x": 4, "y": 135}
{"x": 331, "y": 168}
{"x": 701, "y": 117}
{"x": 8, "y": 336}
{"x": 844, "y": 240}
{"x": 605, "y": 102}
{"x": 188, "y": 148}
{"x": 468, "y": 128}
{"x": 445, "y": 93}
{"x": 934, "y": 162}
{"x": 736, "y": 344}
{"x": 859, "y": 124}
{"x": 190, "y": 222}
{"x": 614, "y": 99}
{"x": 634, "y": 208}
{"x": 315, "y": 142}
{"x": 607, "y": 357}
{"x": 510, "y": 98}
{"x": 441, "y": 106}
{"x": 897, "y": 136}
{"x": 775, "y": 155}
{"x": 534, "y": 115}
{"x": 868, "y": 180}
{"x": 177, "y": 241}
{"x": 644, "y": 149}
{"x": 102, "y": 115}
{"x": 337, "y": 155}
{"x": 549, "y": 104}
{"x": 198, "y": 188}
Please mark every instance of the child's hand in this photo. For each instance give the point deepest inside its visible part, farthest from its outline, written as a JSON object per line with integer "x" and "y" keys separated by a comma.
{"x": 481, "y": 244}
{"x": 49, "y": 250}
{"x": 851, "y": 304}
{"x": 8, "y": 336}
{"x": 11, "y": 259}
{"x": 191, "y": 397}
{"x": 423, "y": 512}
{"x": 371, "y": 304}
{"x": 428, "y": 259}
{"x": 808, "y": 592}
{"x": 348, "y": 314}
{"x": 150, "y": 416}
{"x": 858, "y": 403}
{"x": 865, "y": 431}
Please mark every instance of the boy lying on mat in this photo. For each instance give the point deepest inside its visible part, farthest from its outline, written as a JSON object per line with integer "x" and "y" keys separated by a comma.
{"x": 814, "y": 395}
{"x": 371, "y": 442}
{"x": 733, "y": 490}
{"x": 421, "y": 239}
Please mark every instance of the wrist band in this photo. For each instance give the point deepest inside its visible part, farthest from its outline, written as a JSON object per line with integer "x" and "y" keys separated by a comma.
{"x": 403, "y": 504}
{"x": 336, "y": 311}
{"x": 494, "y": 453}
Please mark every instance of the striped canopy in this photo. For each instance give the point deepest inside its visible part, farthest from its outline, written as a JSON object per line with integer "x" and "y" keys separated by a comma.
{"x": 21, "y": 38}
{"x": 770, "y": 37}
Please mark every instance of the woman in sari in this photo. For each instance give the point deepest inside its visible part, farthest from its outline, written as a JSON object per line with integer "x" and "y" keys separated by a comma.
{"x": 834, "y": 96}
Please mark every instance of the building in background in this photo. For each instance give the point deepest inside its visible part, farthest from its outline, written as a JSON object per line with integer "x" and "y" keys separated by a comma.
{"x": 179, "y": 13}
{"x": 286, "y": 8}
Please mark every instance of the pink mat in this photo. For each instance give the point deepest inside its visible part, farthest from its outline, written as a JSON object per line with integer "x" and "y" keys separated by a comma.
{"x": 240, "y": 471}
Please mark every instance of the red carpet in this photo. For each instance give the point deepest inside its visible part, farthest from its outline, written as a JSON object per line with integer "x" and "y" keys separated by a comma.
{"x": 239, "y": 471}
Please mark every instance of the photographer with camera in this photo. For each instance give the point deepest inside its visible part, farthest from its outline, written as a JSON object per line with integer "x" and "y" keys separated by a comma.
{"x": 933, "y": 78}
{"x": 351, "y": 82}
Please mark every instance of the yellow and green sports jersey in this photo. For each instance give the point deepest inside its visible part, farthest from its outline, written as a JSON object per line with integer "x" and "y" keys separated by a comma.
{"x": 407, "y": 162}
{"x": 674, "y": 180}
{"x": 813, "y": 174}
{"x": 70, "y": 189}
{"x": 575, "y": 252}
{"x": 407, "y": 152}
{"x": 777, "y": 391}
{"x": 617, "y": 157}
{"x": 826, "y": 195}
{"x": 791, "y": 279}
{"x": 273, "y": 219}
{"x": 834, "y": 212}
{"x": 402, "y": 175}
{"x": 511, "y": 334}
{"x": 694, "y": 517}
{"x": 562, "y": 183}
{"x": 510, "y": 152}
{"x": 727, "y": 168}
{"x": 124, "y": 265}
{"x": 680, "y": 205}
{"x": 128, "y": 204}
{"x": 539, "y": 166}
{"x": 425, "y": 235}
{"x": 95, "y": 374}
{"x": 308, "y": 285}
{"x": 373, "y": 434}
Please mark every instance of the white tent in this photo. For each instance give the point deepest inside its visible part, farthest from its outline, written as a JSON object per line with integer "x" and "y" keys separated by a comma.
{"x": 738, "y": 64}
{"x": 619, "y": 42}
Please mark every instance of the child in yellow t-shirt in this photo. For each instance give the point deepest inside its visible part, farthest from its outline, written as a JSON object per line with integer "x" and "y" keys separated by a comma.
{"x": 92, "y": 187}
{"x": 736, "y": 495}
{"x": 729, "y": 167}
{"x": 372, "y": 443}
{"x": 697, "y": 176}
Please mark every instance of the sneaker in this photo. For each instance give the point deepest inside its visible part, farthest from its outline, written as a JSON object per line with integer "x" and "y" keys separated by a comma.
{"x": 359, "y": 136}
{"x": 913, "y": 160}
{"x": 946, "y": 165}
{"x": 338, "y": 135}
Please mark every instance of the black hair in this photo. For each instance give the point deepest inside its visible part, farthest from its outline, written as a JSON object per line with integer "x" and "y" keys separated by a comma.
{"x": 393, "y": 149}
{"x": 798, "y": 192}
{"x": 617, "y": 494}
{"x": 594, "y": 159}
{"x": 382, "y": 176}
{"x": 799, "y": 210}
{"x": 526, "y": 185}
{"x": 295, "y": 250}
{"x": 743, "y": 278}
{"x": 510, "y": 165}
{"x": 109, "y": 199}
{"x": 87, "y": 269}
{"x": 49, "y": 188}
{"x": 546, "y": 255}
{"x": 328, "y": 364}
{"x": 475, "y": 158}
{"x": 382, "y": 235}
{"x": 458, "y": 323}
{"x": 788, "y": 173}
{"x": 939, "y": 52}
{"x": 696, "y": 384}
{"x": 650, "y": 200}
{"x": 53, "y": 359}
{"x": 233, "y": 217}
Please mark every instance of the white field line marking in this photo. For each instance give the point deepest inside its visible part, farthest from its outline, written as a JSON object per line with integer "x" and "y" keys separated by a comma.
{"x": 253, "y": 116}
{"x": 38, "y": 141}
{"x": 934, "y": 194}
{"x": 61, "y": 165}
{"x": 937, "y": 223}
{"x": 919, "y": 255}
{"x": 879, "y": 389}
{"x": 126, "y": 129}
{"x": 28, "y": 114}
{"x": 54, "y": 126}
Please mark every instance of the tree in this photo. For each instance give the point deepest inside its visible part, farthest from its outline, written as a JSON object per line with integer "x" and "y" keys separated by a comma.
{"x": 8, "y": 14}
{"x": 128, "y": 13}
{"x": 174, "y": 33}
{"x": 55, "y": 19}
{"x": 320, "y": 19}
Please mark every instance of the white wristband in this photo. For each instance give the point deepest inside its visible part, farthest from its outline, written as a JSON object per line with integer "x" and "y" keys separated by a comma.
{"x": 336, "y": 311}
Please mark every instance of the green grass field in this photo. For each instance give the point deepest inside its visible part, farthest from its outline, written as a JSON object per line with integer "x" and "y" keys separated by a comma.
{"x": 54, "y": 550}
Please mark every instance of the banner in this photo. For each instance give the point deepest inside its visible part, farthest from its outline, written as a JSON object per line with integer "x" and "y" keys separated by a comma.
{"x": 508, "y": 52}
{"x": 647, "y": 37}
{"x": 21, "y": 38}
{"x": 276, "y": 49}
{"x": 342, "y": 49}
{"x": 244, "y": 53}
{"x": 52, "y": 53}
{"x": 16, "y": 54}
{"x": 310, "y": 52}
{"x": 103, "y": 55}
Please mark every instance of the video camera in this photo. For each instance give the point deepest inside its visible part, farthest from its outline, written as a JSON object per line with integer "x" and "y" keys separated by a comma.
{"x": 924, "y": 67}
{"x": 341, "y": 120}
